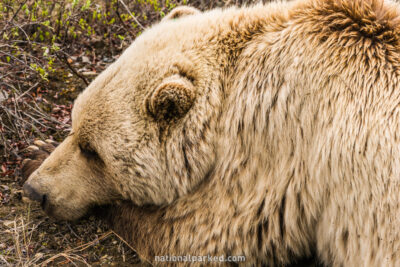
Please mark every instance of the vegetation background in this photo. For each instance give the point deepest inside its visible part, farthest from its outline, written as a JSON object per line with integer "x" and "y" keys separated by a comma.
{"x": 49, "y": 52}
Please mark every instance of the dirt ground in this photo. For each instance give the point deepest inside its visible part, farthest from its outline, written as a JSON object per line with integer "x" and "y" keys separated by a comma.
{"x": 28, "y": 237}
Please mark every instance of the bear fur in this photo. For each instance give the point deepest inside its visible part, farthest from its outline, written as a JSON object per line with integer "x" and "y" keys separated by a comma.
{"x": 269, "y": 131}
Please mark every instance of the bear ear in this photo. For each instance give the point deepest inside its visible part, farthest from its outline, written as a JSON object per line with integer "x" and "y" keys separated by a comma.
{"x": 180, "y": 12}
{"x": 172, "y": 99}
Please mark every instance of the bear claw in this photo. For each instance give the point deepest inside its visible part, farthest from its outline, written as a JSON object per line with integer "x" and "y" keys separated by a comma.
{"x": 32, "y": 148}
{"x": 39, "y": 143}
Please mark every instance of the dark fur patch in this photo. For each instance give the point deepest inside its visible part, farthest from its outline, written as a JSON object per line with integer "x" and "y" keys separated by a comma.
{"x": 187, "y": 165}
{"x": 260, "y": 231}
{"x": 369, "y": 18}
{"x": 260, "y": 209}
{"x": 281, "y": 217}
{"x": 345, "y": 238}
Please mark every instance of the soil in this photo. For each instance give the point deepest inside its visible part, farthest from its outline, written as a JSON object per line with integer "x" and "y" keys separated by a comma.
{"x": 28, "y": 237}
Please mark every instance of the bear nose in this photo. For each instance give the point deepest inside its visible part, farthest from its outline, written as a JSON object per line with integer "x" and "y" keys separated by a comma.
{"x": 32, "y": 193}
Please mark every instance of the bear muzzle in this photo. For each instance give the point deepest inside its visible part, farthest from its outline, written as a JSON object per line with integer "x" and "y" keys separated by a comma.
{"x": 34, "y": 194}
{"x": 55, "y": 205}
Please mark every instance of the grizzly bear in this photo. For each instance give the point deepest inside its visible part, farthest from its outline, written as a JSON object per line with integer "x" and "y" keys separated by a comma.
{"x": 267, "y": 132}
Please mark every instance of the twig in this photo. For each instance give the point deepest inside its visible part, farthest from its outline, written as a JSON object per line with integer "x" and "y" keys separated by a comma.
{"x": 72, "y": 231}
{"x": 27, "y": 91}
{"x": 26, "y": 35}
{"x": 91, "y": 243}
{"x": 130, "y": 13}
{"x": 65, "y": 60}
{"x": 16, "y": 238}
{"x": 126, "y": 243}
{"x": 66, "y": 253}
{"x": 13, "y": 17}
{"x": 68, "y": 257}
{"x": 46, "y": 117}
{"x": 31, "y": 124}
{"x": 122, "y": 22}
{"x": 4, "y": 260}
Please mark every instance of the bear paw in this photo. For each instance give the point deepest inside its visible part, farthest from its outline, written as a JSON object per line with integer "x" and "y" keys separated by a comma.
{"x": 36, "y": 154}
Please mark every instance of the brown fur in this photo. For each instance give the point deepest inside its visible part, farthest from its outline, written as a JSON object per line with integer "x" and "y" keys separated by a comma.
{"x": 282, "y": 136}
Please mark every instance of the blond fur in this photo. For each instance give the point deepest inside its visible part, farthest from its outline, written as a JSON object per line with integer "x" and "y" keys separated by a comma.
{"x": 291, "y": 144}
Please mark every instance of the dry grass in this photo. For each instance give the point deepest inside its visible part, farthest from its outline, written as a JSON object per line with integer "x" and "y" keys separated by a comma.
{"x": 28, "y": 238}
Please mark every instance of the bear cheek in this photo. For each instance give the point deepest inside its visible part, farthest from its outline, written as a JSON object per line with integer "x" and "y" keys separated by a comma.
{"x": 72, "y": 200}
{"x": 80, "y": 192}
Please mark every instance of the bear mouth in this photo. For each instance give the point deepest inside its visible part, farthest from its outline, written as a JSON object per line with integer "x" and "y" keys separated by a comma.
{"x": 44, "y": 203}
{"x": 62, "y": 213}
{"x": 99, "y": 211}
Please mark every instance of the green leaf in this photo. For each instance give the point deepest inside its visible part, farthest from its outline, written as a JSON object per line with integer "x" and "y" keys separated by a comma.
{"x": 86, "y": 5}
{"x": 25, "y": 9}
{"x": 74, "y": 3}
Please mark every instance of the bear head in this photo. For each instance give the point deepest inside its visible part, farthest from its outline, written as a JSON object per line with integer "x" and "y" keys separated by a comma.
{"x": 142, "y": 130}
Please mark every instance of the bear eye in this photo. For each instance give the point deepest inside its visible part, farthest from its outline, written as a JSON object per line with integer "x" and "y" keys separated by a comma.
{"x": 88, "y": 151}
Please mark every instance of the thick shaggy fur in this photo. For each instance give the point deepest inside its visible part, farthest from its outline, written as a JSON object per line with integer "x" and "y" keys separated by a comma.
{"x": 268, "y": 131}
